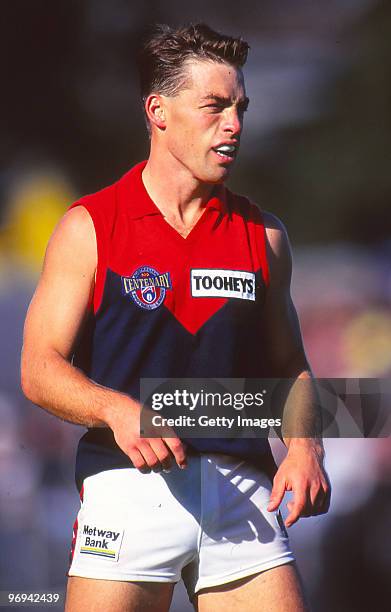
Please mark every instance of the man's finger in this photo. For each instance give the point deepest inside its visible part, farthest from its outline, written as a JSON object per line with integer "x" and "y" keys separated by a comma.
{"x": 327, "y": 498}
{"x": 149, "y": 455}
{"x": 138, "y": 461}
{"x": 178, "y": 450}
{"x": 297, "y": 507}
{"x": 162, "y": 452}
{"x": 316, "y": 497}
{"x": 277, "y": 494}
{"x": 320, "y": 499}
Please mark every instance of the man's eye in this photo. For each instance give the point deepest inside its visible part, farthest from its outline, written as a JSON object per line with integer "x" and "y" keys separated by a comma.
{"x": 215, "y": 107}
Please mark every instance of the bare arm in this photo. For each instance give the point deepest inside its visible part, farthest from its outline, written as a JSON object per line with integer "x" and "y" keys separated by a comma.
{"x": 302, "y": 470}
{"x": 54, "y": 320}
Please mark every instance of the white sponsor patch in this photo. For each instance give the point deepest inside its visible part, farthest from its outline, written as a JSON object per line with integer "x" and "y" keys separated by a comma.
{"x": 223, "y": 283}
{"x": 98, "y": 540}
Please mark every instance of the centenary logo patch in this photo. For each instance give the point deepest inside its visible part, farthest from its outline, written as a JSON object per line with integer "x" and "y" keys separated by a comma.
{"x": 147, "y": 287}
{"x": 223, "y": 283}
{"x": 100, "y": 542}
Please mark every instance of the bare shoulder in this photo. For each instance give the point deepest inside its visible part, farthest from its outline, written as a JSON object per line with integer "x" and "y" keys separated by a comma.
{"x": 278, "y": 249}
{"x": 276, "y": 234}
{"x": 75, "y": 226}
{"x": 73, "y": 240}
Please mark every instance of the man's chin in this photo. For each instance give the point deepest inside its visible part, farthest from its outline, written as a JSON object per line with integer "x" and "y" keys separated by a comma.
{"x": 218, "y": 177}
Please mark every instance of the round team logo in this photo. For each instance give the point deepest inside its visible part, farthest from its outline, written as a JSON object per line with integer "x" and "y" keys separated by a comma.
{"x": 147, "y": 287}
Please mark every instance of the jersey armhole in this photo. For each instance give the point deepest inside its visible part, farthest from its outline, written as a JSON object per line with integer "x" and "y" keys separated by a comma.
{"x": 261, "y": 242}
{"x": 101, "y": 265}
{"x": 263, "y": 252}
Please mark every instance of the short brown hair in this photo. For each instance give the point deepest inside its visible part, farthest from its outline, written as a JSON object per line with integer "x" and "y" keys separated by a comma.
{"x": 165, "y": 50}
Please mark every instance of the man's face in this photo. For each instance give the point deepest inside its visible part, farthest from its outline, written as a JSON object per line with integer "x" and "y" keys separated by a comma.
{"x": 204, "y": 121}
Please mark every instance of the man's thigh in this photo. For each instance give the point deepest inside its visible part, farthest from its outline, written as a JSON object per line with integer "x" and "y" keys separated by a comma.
{"x": 89, "y": 595}
{"x": 276, "y": 590}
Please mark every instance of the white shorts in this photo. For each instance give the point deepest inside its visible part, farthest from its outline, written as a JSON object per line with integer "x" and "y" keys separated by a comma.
{"x": 207, "y": 523}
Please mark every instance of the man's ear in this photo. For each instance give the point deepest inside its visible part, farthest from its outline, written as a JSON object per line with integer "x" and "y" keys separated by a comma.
{"x": 154, "y": 109}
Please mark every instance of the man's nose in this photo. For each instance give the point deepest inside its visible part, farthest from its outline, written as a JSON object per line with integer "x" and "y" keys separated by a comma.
{"x": 233, "y": 121}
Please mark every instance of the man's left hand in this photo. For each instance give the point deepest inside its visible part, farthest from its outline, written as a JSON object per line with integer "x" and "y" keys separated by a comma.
{"x": 303, "y": 473}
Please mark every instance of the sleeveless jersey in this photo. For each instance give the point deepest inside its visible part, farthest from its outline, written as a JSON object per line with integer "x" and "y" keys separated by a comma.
{"x": 171, "y": 307}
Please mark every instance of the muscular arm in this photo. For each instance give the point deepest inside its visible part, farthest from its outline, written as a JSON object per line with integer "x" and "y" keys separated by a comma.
{"x": 54, "y": 320}
{"x": 302, "y": 470}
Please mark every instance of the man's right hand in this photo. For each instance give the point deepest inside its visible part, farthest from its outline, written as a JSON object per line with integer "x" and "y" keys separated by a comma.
{"x": 146, "y": 454}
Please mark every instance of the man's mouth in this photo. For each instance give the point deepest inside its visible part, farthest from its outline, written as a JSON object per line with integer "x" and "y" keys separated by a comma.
{"x": 226, "y": 152}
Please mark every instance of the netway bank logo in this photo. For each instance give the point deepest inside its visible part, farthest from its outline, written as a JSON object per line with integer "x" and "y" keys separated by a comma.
{"x": 223, "y": 283}
{"x": 101, "y": 542}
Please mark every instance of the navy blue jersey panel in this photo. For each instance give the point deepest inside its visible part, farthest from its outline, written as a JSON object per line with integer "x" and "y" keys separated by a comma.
{"x": 130, "y": 343}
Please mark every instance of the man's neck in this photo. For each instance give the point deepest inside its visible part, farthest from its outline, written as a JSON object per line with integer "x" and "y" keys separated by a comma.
{"x": 174, "y": 191}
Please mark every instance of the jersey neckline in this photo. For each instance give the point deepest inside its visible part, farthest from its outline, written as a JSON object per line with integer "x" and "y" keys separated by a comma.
{"x": 141, "y": 204}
